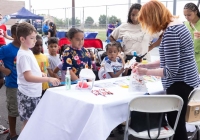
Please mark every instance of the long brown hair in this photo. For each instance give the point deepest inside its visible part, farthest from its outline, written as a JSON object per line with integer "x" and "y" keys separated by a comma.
{"x": 154, "y": 16}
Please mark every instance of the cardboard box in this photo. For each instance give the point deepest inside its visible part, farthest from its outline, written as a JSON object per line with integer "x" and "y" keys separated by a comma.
{"x": 193, "y": 112}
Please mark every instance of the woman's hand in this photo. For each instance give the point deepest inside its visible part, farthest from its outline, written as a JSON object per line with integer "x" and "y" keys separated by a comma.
{"x": 197, "y": 34}
{"x": 136, "y": 64}
{"x": 140, "y": 70}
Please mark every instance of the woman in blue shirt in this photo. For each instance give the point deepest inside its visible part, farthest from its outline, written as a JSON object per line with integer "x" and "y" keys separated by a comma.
{"x": 45, "y": 28}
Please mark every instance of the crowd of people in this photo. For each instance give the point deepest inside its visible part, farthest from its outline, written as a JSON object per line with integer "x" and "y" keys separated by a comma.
{"x": 29, "y": 73}
{"x": 49, "y": 29}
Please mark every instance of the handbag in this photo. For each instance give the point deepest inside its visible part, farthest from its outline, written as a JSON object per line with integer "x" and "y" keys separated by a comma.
{"x": 141, "y": 121}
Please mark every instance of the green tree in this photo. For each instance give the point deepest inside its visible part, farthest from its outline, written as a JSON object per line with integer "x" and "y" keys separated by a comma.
{"x": 77, "y": 22}
{"x": 65, "y": 21}
{"x": 102, "y": 20}
{"x": 58, "y": 21}
{"x": 89, "y": 21}
{"x": 113, "y": 19}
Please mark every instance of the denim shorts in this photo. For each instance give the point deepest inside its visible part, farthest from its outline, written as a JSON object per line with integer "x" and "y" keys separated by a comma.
{"x": 26, "y": 105}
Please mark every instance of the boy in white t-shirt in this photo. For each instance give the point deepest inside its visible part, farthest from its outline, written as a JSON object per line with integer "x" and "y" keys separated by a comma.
{"x": 30, "y": 77}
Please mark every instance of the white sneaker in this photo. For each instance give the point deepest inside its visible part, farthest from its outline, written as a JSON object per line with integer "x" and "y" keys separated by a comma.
{"x": 3, "y": 130}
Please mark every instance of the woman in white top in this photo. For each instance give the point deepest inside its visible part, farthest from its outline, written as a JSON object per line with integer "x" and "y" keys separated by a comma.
{"x": 134, "y": 38}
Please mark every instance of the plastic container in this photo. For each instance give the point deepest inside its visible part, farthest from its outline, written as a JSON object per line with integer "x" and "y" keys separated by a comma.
{"x": 82, "y": 84}
{"x": 86, "y": 74}
{"x": 137, "y": 84}
{"x": 68, "y": 79}
{"x": 144, "y": 61}
{"x": 4, "y": 20}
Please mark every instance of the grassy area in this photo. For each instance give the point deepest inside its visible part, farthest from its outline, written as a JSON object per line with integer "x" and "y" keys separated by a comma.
{"x": 101, "y": 35}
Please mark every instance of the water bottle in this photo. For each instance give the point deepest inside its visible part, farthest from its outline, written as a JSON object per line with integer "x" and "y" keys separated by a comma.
{"x": 68, "y": 79}
{"x": 4, "y": 20}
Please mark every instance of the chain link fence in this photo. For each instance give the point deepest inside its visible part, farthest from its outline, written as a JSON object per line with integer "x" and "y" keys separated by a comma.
{"x": 97, "y": 18}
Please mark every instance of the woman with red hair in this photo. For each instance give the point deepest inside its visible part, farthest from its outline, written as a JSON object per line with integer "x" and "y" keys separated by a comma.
{"x": 177, "y": 65}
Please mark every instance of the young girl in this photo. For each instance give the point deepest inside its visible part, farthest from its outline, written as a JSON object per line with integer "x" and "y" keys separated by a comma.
{"x": 76, "y": 56}
{"x": 192, "y": 14}
{"x": 52, "y": 30}
{"x": 114, "y": 63}
{"x": 104, "y": 56}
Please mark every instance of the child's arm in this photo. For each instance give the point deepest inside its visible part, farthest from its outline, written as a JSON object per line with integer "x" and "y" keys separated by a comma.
{"x": 50, "y": 72}
{"x": 73, "y": 76}
{"x": 55, "y": 71}
{"x": 49, "y": 34}
{"x": 112, "y": 39}
{"x": 125, "y": 72}
{"x": 117, "y": 74}
{"x": 5, "y": 70}
{"x": 35, "y": 79}
{"x": 120, "y": 56}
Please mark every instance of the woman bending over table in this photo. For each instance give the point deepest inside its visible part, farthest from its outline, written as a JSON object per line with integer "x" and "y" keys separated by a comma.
{"x": 177, "y": 65}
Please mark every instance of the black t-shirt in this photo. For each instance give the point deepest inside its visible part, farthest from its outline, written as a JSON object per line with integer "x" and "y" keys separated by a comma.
{"x": 52, "y": 33}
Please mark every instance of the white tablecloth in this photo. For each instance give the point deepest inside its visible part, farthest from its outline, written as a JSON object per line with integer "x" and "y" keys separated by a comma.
{"x": 80, "y": 115}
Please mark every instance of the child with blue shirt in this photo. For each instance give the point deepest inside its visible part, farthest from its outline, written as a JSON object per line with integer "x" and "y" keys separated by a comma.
{"x": 8, "y": 54}
{"x": 76, "y": 56}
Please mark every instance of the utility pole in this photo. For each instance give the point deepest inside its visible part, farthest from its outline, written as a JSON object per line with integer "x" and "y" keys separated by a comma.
{"x": 106, "y": 17}
{"x": 68, "y": 20}
{"x": 83, "y": 19}
{"x": 65, "y": 17}
{"x": 174, "y": 7}
{"x": 73, "y": 13}
{"x": 129, "y": 4}
{"x": 30, "y": 5}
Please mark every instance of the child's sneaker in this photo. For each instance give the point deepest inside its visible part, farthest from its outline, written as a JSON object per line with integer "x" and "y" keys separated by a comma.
{"x": 3, "y": 130}
{"x": 13, "y": 138}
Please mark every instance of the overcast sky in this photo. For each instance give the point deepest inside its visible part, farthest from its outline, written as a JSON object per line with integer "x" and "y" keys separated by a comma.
{"x": 119, "y": 11}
